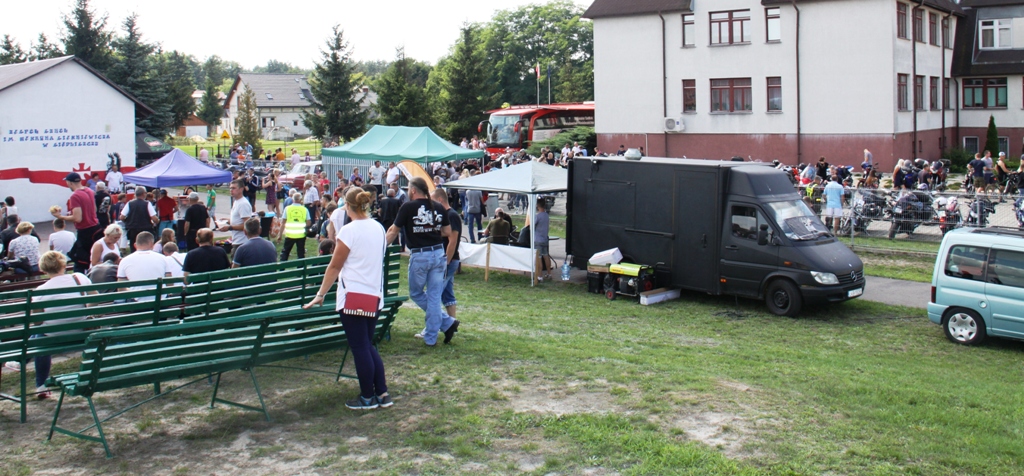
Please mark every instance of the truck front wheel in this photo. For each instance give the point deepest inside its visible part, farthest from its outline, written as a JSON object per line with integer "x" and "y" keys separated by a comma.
{"x": 783, "y": 298}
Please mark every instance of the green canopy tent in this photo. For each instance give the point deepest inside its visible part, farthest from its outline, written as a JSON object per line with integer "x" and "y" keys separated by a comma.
{"x": 392, "y": 144}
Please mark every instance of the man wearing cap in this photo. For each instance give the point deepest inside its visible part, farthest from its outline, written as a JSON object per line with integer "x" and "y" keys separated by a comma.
{"x": 82, "y": 212}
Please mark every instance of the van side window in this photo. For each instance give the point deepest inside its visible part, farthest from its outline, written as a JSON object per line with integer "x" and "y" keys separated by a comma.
{"x": 744, "y": 222}
{"x": 1006, "y": 268}
{"x": 966, "y": 262}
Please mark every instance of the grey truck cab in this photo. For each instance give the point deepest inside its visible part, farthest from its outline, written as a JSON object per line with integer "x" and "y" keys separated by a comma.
{"x": 717, "y": 227}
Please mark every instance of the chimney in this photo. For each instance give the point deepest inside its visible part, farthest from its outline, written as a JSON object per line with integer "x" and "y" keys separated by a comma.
{"x": 366, "y": 89}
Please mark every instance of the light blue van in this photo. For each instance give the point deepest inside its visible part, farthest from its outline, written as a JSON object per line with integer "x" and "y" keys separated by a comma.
{"x": 978, "y": 285}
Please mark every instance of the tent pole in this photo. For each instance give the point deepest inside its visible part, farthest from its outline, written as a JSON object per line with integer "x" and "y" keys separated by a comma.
{"x": 533, "y": 239}
{"x": 487, "y": 262}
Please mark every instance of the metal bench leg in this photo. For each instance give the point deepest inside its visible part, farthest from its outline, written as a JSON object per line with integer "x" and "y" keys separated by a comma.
{"x": 99, "y": 427}
{"x": 24, "y": 390}
{"x": 256, "y": 385}
{"x": 215, "y": 388}
{"x": 341, "y": 367}
{"x": 56, "y": 414}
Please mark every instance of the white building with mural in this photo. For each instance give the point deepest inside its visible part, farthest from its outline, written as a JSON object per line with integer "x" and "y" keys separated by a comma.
{"x": 58, "y": 116}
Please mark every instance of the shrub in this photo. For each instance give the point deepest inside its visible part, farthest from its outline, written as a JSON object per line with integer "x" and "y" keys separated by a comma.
{"x": 958, "y": 158}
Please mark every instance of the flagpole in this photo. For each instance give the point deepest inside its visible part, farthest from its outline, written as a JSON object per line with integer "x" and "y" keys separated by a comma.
{"x": 538, "y": 84}
{"x": 549, "y": 83}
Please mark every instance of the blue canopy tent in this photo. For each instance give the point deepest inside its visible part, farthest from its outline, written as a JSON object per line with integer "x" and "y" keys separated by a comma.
{"x": 177, "y": 169}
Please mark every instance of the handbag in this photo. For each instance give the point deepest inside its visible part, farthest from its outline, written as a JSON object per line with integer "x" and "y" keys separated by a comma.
{"x": 359, "y": 304}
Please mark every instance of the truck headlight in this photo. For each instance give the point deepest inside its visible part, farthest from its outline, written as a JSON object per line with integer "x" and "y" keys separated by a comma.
{"x": 825, "y": 278}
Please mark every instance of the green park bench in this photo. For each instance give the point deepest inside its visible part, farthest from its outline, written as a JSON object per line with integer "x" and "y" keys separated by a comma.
{"x": 274, "y": 290}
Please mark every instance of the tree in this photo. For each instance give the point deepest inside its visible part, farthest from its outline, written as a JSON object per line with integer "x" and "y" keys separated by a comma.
{"x": 43, "y": 49}
{"x": 136, "y": 72}
{"x": 515, "y": 41}
{"x": 85, "y": 36}
{"x": 336, "y": 105}
{"x": 277, "y": 67}
{"x": 176, "y": 70}
{"x": 400, "y": 100}
{"x": 11, "y": 52}
{"x": 248, "y": 122}
{"x": 992, "y": 138}
{"x": 464, "y": 91}
{"x": 211, "y": 110}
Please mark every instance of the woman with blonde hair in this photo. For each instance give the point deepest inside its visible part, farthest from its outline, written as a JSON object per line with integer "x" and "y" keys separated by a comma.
{"x": 25, "y": 246}
{"x": 54, "y": 264}
{"x": 107, "y": 244}
{"x": 358, "y": 260}
{"x": 166, "y": 236}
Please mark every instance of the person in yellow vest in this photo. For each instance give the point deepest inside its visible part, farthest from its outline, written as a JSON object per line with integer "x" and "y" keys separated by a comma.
{"x": 297, "y": 219}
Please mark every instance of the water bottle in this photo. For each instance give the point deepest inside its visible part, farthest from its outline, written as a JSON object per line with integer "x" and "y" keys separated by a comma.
{"x": 565, "y": 268}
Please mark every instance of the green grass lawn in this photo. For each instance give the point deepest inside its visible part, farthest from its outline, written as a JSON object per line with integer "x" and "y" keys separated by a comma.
{"x": 551, "y": 380}
{"x": 898, "y": 266}
{"x": 301, "y": 145}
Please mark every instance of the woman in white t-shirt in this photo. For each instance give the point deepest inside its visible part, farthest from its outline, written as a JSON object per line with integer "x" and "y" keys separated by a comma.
{"x": 359, "y": 261}
{"x": 54, "y": 264}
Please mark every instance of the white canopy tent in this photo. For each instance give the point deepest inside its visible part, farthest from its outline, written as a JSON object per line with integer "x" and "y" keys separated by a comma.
{"x": 530, "y": 178}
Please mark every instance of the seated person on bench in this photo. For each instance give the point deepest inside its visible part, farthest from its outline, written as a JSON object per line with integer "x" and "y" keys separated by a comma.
{"x": 498, "y": 229}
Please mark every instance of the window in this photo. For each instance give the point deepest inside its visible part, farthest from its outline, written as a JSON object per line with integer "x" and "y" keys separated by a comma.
{"x": 947, "y": 41}
{"x": 933, "y": 29}
{"x": 918, "y": 25}
{"x": 971, "y": 144}
{"x": 295, "y": 122}
{"x": 775, "y": 94}
{"x": 901, "y": 20}
{"x": 270, "y": 96}
{"x": 730, "y": 28}
{"x": 919, "y": 93}
{"x": 966, "y": 262}
{"x": 689, "y": 95}
{"x": 995, "y": 33}
{"x": 985, "y": 93}
{"x": 1006, "y": 267}
{"x": 773, "y": 24}
{"x": 731, "y": 95}
{"x": 901, "y": 92}
{"x": 946, "y": 102}
{"x": 302, "y": 97}
{"x": 933, "y": 94}
{"x": 746, "y": 222}
{"x": 689, "y": 35}
{"x": 1004, "y": 145}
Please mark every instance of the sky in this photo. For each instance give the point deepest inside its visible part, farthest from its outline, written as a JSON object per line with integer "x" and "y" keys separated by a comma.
{"x": 254, "y": 32}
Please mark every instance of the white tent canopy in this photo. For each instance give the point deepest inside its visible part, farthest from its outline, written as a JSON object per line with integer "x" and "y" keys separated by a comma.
{"x": 531, "y": 178}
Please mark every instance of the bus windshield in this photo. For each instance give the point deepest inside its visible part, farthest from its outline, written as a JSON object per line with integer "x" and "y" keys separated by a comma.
{"x": 502, "y": 131}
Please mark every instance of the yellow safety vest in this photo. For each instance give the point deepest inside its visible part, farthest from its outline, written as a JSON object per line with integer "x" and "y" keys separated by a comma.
{"x": 295, "y": 226}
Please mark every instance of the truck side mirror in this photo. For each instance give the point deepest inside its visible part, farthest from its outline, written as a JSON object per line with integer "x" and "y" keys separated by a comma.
{"x": 762, "y": 235}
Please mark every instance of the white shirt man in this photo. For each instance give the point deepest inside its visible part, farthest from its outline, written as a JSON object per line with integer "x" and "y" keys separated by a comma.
{"x": 295, "y": 158}
{"x": 393, "y": 173}
{"x": 62, "y": 240}
{"x": 204, "y": 156}
{"x": 376, "y": 174}
{"x": 241, "y": 211}
{"x": 143, "y": 265}
{"x": 115, "y": 181}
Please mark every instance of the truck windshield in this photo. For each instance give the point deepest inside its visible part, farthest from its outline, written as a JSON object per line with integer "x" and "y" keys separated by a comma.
{"x": 502, "y": 131}
{"x": 797, "y": 220}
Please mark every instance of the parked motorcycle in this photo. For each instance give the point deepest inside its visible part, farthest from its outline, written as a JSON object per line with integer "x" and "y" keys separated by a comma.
{"x": 978, "y": 211}
{"x": 949, "y": 214}
{"x": 909, "y": 212}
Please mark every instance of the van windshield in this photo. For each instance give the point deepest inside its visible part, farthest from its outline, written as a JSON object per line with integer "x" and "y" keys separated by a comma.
{"x": 797, "y": 220}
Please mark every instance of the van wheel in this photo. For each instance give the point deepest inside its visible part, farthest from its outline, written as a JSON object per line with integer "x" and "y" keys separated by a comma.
{"x": 783, "y": 298}
{"x": 963, "y": 326}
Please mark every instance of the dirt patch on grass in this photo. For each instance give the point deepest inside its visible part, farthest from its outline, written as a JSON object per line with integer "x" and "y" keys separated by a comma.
{"x": 567, "y": 399}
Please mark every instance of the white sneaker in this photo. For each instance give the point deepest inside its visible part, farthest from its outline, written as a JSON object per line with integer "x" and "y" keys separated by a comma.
{"x": 42, "y": 393}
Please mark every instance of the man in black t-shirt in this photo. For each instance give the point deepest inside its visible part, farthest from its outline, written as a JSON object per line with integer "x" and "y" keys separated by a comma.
{"x": 206, "y": 257}
{"x": 448, "y": 294}
{"x": 196, "y": 217}
{"x": 426, "y": 227}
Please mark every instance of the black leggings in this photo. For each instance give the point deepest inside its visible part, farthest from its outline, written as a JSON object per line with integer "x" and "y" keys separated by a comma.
{"x": 369, "y": 366}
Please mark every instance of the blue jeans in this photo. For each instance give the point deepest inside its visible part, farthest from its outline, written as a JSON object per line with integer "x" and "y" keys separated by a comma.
{"x": 448, "y": 295}
{"x": 369, "y": 367}
{"x": 470, "y": 218}
{"x": 426, "y": 282}
{"x": 162, "y": 226}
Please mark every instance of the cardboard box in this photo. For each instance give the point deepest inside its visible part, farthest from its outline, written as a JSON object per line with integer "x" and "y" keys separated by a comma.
{"x": 611, "y": 256}
{"x": 658, "y": 295}
{"x": 596, "y": 268}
